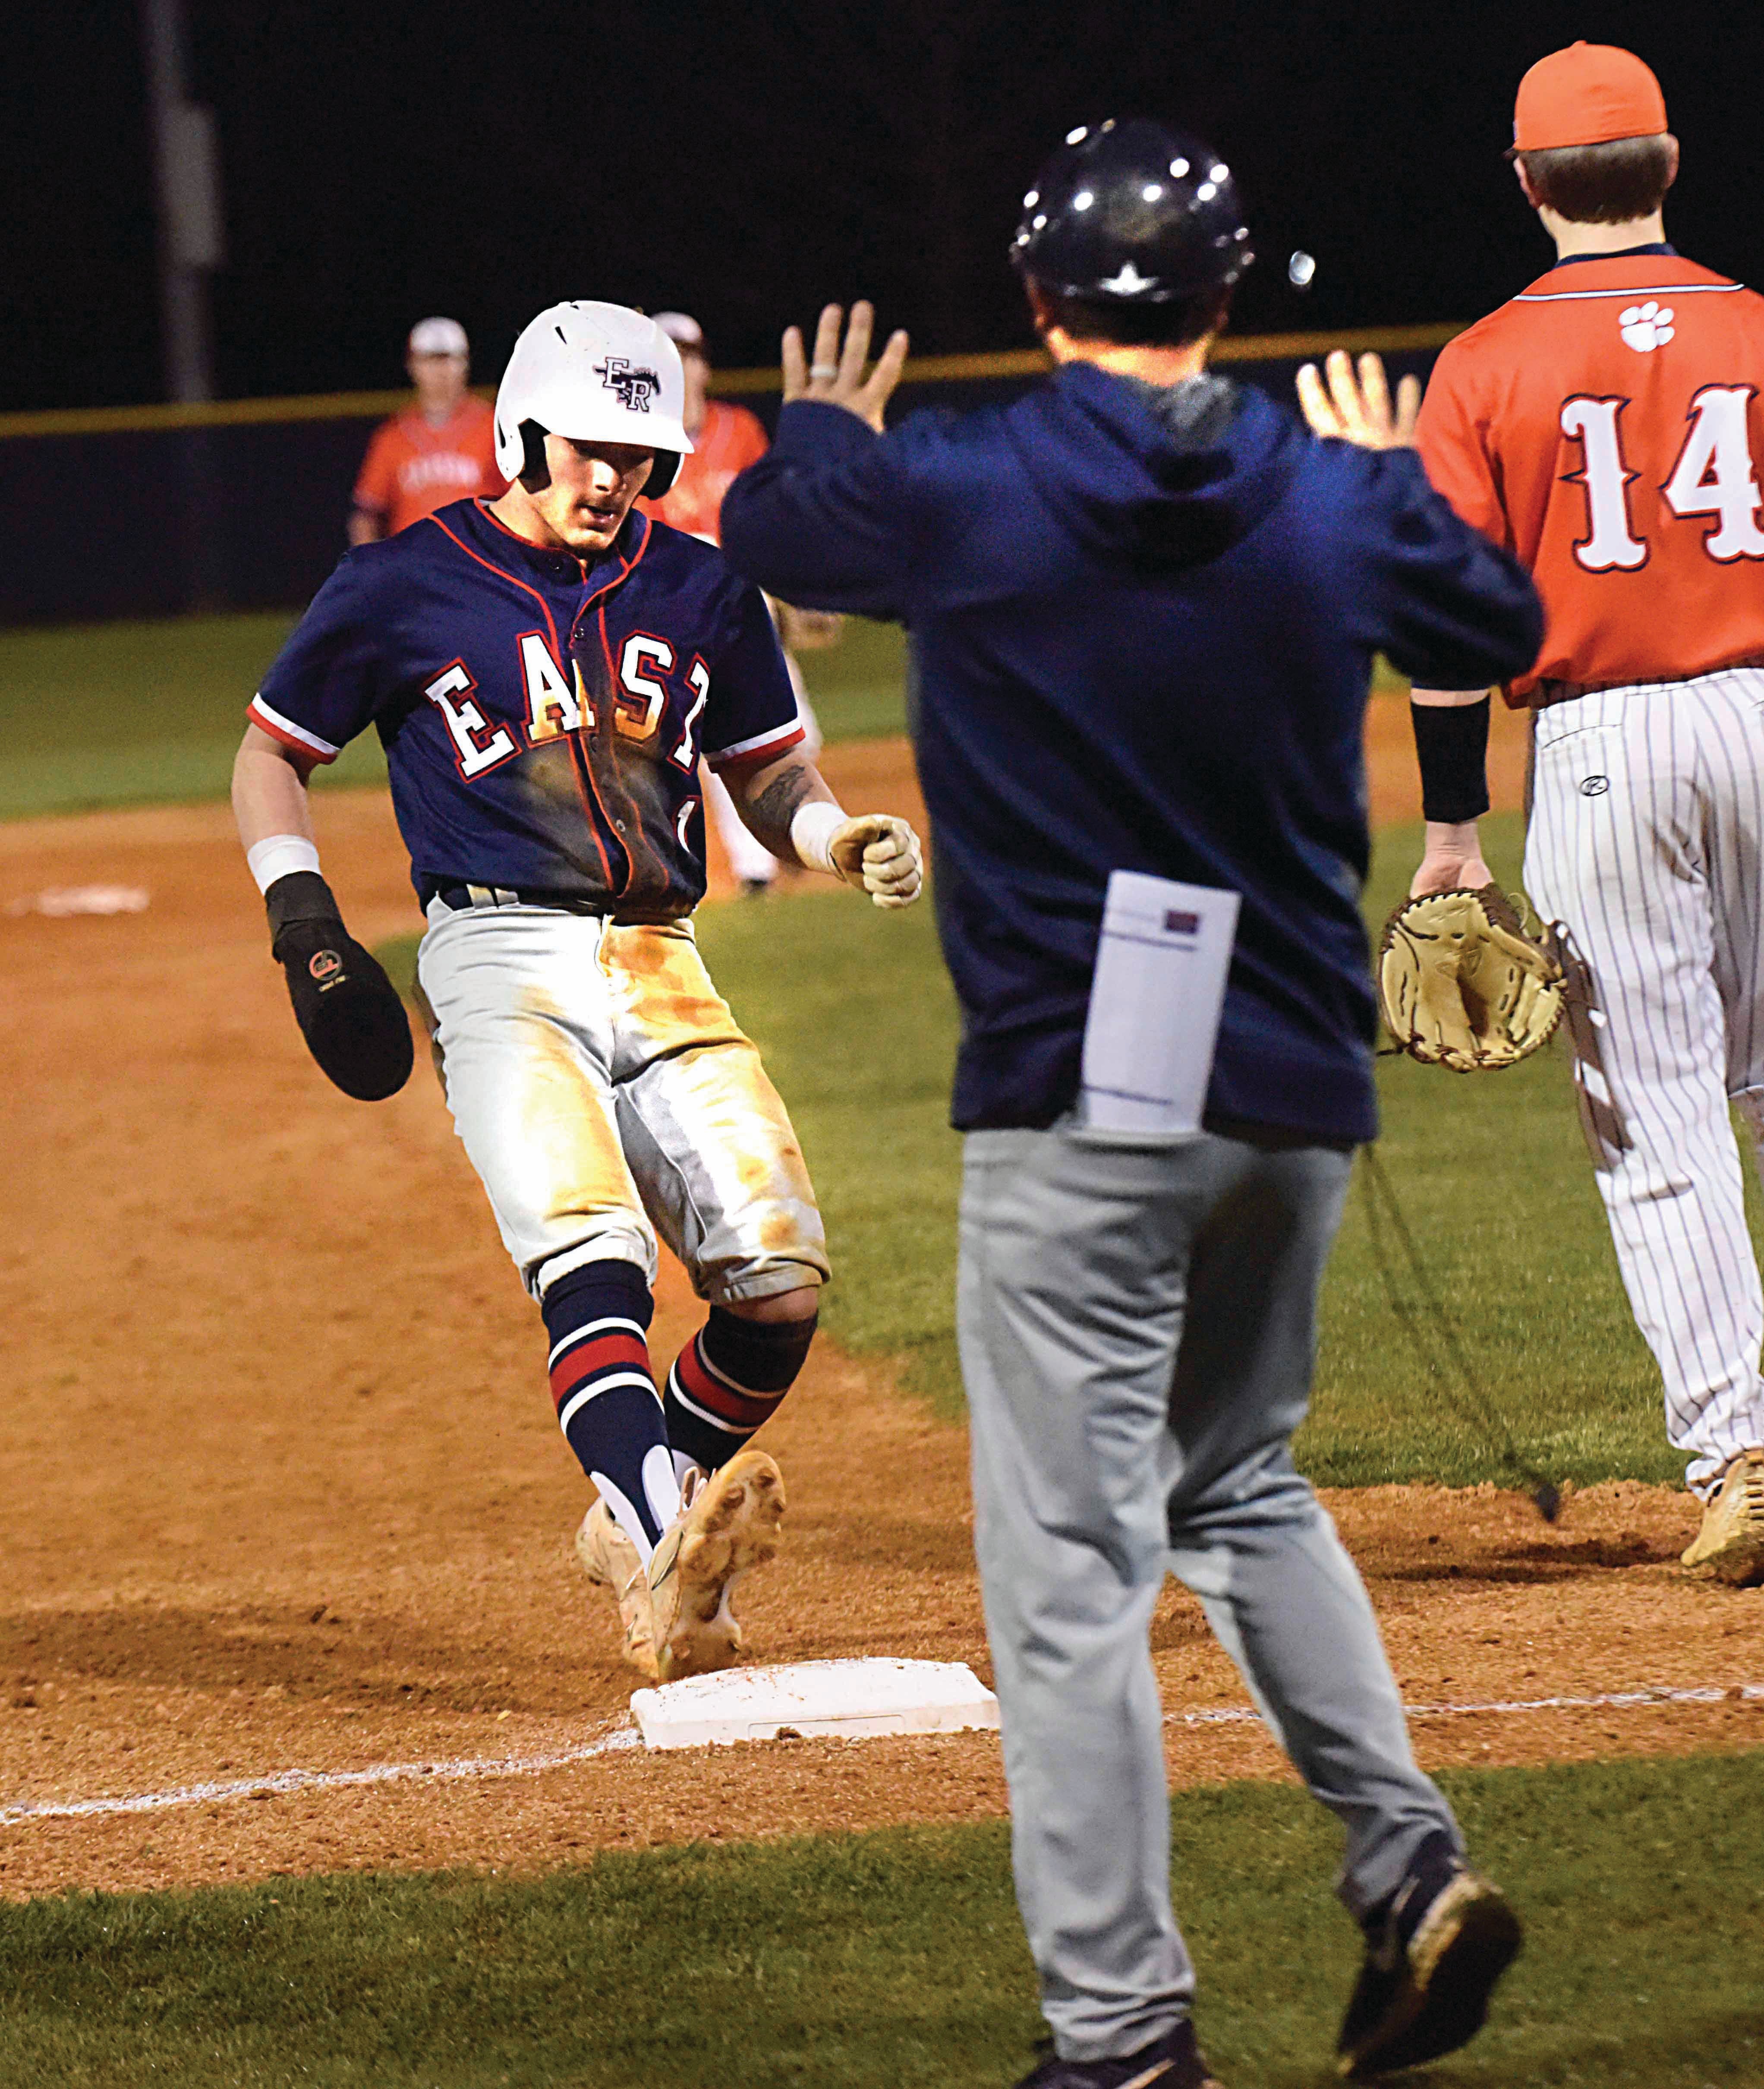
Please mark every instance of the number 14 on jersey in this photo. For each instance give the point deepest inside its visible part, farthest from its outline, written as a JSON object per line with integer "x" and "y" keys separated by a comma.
{"x": 1714, "y": 475}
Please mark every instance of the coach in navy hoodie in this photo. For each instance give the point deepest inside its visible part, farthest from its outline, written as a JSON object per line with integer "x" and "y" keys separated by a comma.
{"x": 1143, "y": 615}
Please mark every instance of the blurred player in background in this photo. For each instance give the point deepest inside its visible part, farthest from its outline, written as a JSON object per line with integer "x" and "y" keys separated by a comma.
{"x": 1604, "y": 426}
{"x": 726, "y": 440}
{"x": 441, "y": 449}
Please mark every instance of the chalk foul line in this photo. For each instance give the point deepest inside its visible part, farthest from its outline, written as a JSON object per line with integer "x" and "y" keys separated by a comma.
{"x": 454, "y": 1770}
{"x": 621, "y": 1737}
{"x": 1614, "y": 1701}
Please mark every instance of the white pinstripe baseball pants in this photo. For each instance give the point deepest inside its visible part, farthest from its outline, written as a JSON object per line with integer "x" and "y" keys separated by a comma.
{"x": 1646, "y": 838}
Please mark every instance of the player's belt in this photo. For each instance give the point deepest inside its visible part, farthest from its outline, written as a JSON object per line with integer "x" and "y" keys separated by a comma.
{"x": 464, "y": 898}
{"x": 1547, "y": 693}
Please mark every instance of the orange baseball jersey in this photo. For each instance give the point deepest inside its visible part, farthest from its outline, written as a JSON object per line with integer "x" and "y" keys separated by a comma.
{"x": 1604, "y": 427}
{"x": 730, "y": 439}
{"x": 411, "y": 469}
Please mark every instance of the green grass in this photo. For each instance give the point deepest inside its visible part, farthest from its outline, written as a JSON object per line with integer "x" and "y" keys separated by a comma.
{"x": 880, "y": 1961}
{"x": 150, "y": 711}
{"x": 139, "y": 712}
{"x": 853, "y": 1014}
{"x": 859, "y": 687}
{"x": 1493, "y": 1177}
{"x": 856, "y": 1022}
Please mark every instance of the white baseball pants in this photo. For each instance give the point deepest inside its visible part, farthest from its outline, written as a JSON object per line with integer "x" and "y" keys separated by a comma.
{"x": 1646, "y": 838}
{"x": 604, "y": 1093}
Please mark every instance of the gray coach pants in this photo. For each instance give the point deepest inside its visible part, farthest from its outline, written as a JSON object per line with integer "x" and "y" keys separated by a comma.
{"x": 1137, "y": 1327}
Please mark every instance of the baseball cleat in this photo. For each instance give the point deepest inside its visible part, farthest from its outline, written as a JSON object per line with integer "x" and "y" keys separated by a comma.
{"x": 1731, "y": 1543}
{"x": 1434, "y": 1951}
{"x": 727, "y": 1523}
{"x": 611, "y": 1561}
{"x": 1172, "y": 2061}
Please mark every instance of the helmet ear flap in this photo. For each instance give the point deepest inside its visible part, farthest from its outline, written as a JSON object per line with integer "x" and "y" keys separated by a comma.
{"x": 662, "y": 474}
{"x": 535, "y": 473}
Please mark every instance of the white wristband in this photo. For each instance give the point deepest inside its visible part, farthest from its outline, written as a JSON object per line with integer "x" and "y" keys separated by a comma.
{"x": 812, "y": 827}
{"x": 277, "y": 855}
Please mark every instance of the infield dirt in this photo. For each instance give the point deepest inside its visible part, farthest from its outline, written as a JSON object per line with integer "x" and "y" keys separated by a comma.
{"x": 284, "y": 1489}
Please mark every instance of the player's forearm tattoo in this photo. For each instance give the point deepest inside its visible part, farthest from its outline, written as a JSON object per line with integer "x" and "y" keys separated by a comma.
{"x": 767, "y": 814}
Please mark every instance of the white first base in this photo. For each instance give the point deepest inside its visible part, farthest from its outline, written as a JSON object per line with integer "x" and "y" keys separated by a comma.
{"x": 854, "y": 1699}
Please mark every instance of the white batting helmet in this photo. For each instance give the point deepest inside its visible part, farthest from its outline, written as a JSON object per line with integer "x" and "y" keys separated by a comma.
{"x": 594, "y": 372}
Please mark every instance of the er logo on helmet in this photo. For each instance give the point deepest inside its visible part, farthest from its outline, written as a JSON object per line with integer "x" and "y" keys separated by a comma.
{"x": 635, "y": 388}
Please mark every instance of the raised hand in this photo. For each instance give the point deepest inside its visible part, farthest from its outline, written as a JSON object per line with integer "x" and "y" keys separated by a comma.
{"x": 1360, "y": 411}
{"x": 836, "y": 374}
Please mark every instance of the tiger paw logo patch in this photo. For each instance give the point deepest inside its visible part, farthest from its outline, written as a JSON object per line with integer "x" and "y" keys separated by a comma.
{"x": 1645, "y": 327}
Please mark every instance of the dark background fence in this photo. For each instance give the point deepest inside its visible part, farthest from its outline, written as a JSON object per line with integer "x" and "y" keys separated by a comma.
{"x": 128, "y": 521}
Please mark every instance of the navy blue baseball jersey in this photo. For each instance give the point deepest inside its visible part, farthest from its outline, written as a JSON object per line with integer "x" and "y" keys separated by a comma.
{"x": 543, "y": 719}
{"x": 1142, "y": 623}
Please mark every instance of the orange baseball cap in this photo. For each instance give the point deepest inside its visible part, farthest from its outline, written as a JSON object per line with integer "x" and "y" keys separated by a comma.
{"x": 1587, "y": 95}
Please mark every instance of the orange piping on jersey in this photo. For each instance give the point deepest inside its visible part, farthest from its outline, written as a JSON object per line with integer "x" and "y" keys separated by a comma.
{"x": 584, "y": 769}
{"x": 503, "y": 573}
{"x": 255, "y": 711}
{"x": 781, "y": 742}
{"x": 612, "y": 679}
{"x": 625, "y": 567}
{"x": 585, "y": 775}
{"x": 579, "y": 764}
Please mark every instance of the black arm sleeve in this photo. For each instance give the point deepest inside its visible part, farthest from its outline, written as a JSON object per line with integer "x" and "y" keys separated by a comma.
{"x": 1451, "y": 745}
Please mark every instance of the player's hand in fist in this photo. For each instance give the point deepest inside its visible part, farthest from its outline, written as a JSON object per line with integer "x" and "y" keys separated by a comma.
{"x": 880, "y": 855}
{"x": 1360, "y": 410}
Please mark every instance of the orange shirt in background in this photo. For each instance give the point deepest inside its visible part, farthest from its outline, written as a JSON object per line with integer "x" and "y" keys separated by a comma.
{"x": 412, "y": 468}
{"x": 730, "y": 439}
{"x": 1605, "y": 426}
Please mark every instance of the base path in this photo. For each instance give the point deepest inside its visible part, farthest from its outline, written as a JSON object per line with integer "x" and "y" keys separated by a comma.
{"x": 285, "y": 1494}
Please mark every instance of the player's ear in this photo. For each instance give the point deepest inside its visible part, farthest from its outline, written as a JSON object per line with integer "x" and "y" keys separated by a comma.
{"x": 1671, "y": 169}
{"x": 535, "y": 473}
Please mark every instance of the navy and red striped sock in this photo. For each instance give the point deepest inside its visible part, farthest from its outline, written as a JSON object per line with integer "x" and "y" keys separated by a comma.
{"x": 727, "y": 1381}
{"x": 597, "y": 1317}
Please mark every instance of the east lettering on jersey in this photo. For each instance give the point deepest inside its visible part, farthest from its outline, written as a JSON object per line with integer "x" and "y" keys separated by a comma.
{"x": 1605, "y": 427}
{"x": 543, "y": 721}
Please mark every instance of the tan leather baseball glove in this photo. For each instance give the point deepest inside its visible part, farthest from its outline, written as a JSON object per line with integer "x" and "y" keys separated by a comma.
{"x": 1461, "y": 985}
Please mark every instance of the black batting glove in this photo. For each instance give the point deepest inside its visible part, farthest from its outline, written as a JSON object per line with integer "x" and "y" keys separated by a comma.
{"x": 348, "y": 1011}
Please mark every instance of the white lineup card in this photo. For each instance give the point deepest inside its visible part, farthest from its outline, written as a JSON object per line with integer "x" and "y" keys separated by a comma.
{"x": 1155, "y": 1004}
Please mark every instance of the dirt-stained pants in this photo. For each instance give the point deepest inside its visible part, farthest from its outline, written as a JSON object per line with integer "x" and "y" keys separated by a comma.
{"x": 605, "y": 1094}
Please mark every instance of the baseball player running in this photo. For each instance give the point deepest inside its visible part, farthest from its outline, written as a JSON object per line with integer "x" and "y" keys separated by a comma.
{"x": 1142, "y": 606}
{"x": 545, "y": 671}
{"x": 1605, "y": 426}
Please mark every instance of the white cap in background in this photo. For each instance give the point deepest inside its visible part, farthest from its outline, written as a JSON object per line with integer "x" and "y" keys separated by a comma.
{"x": 682, "y": 329}
{"x": 438, "y": 337}
{"x": 595, "y": 372}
